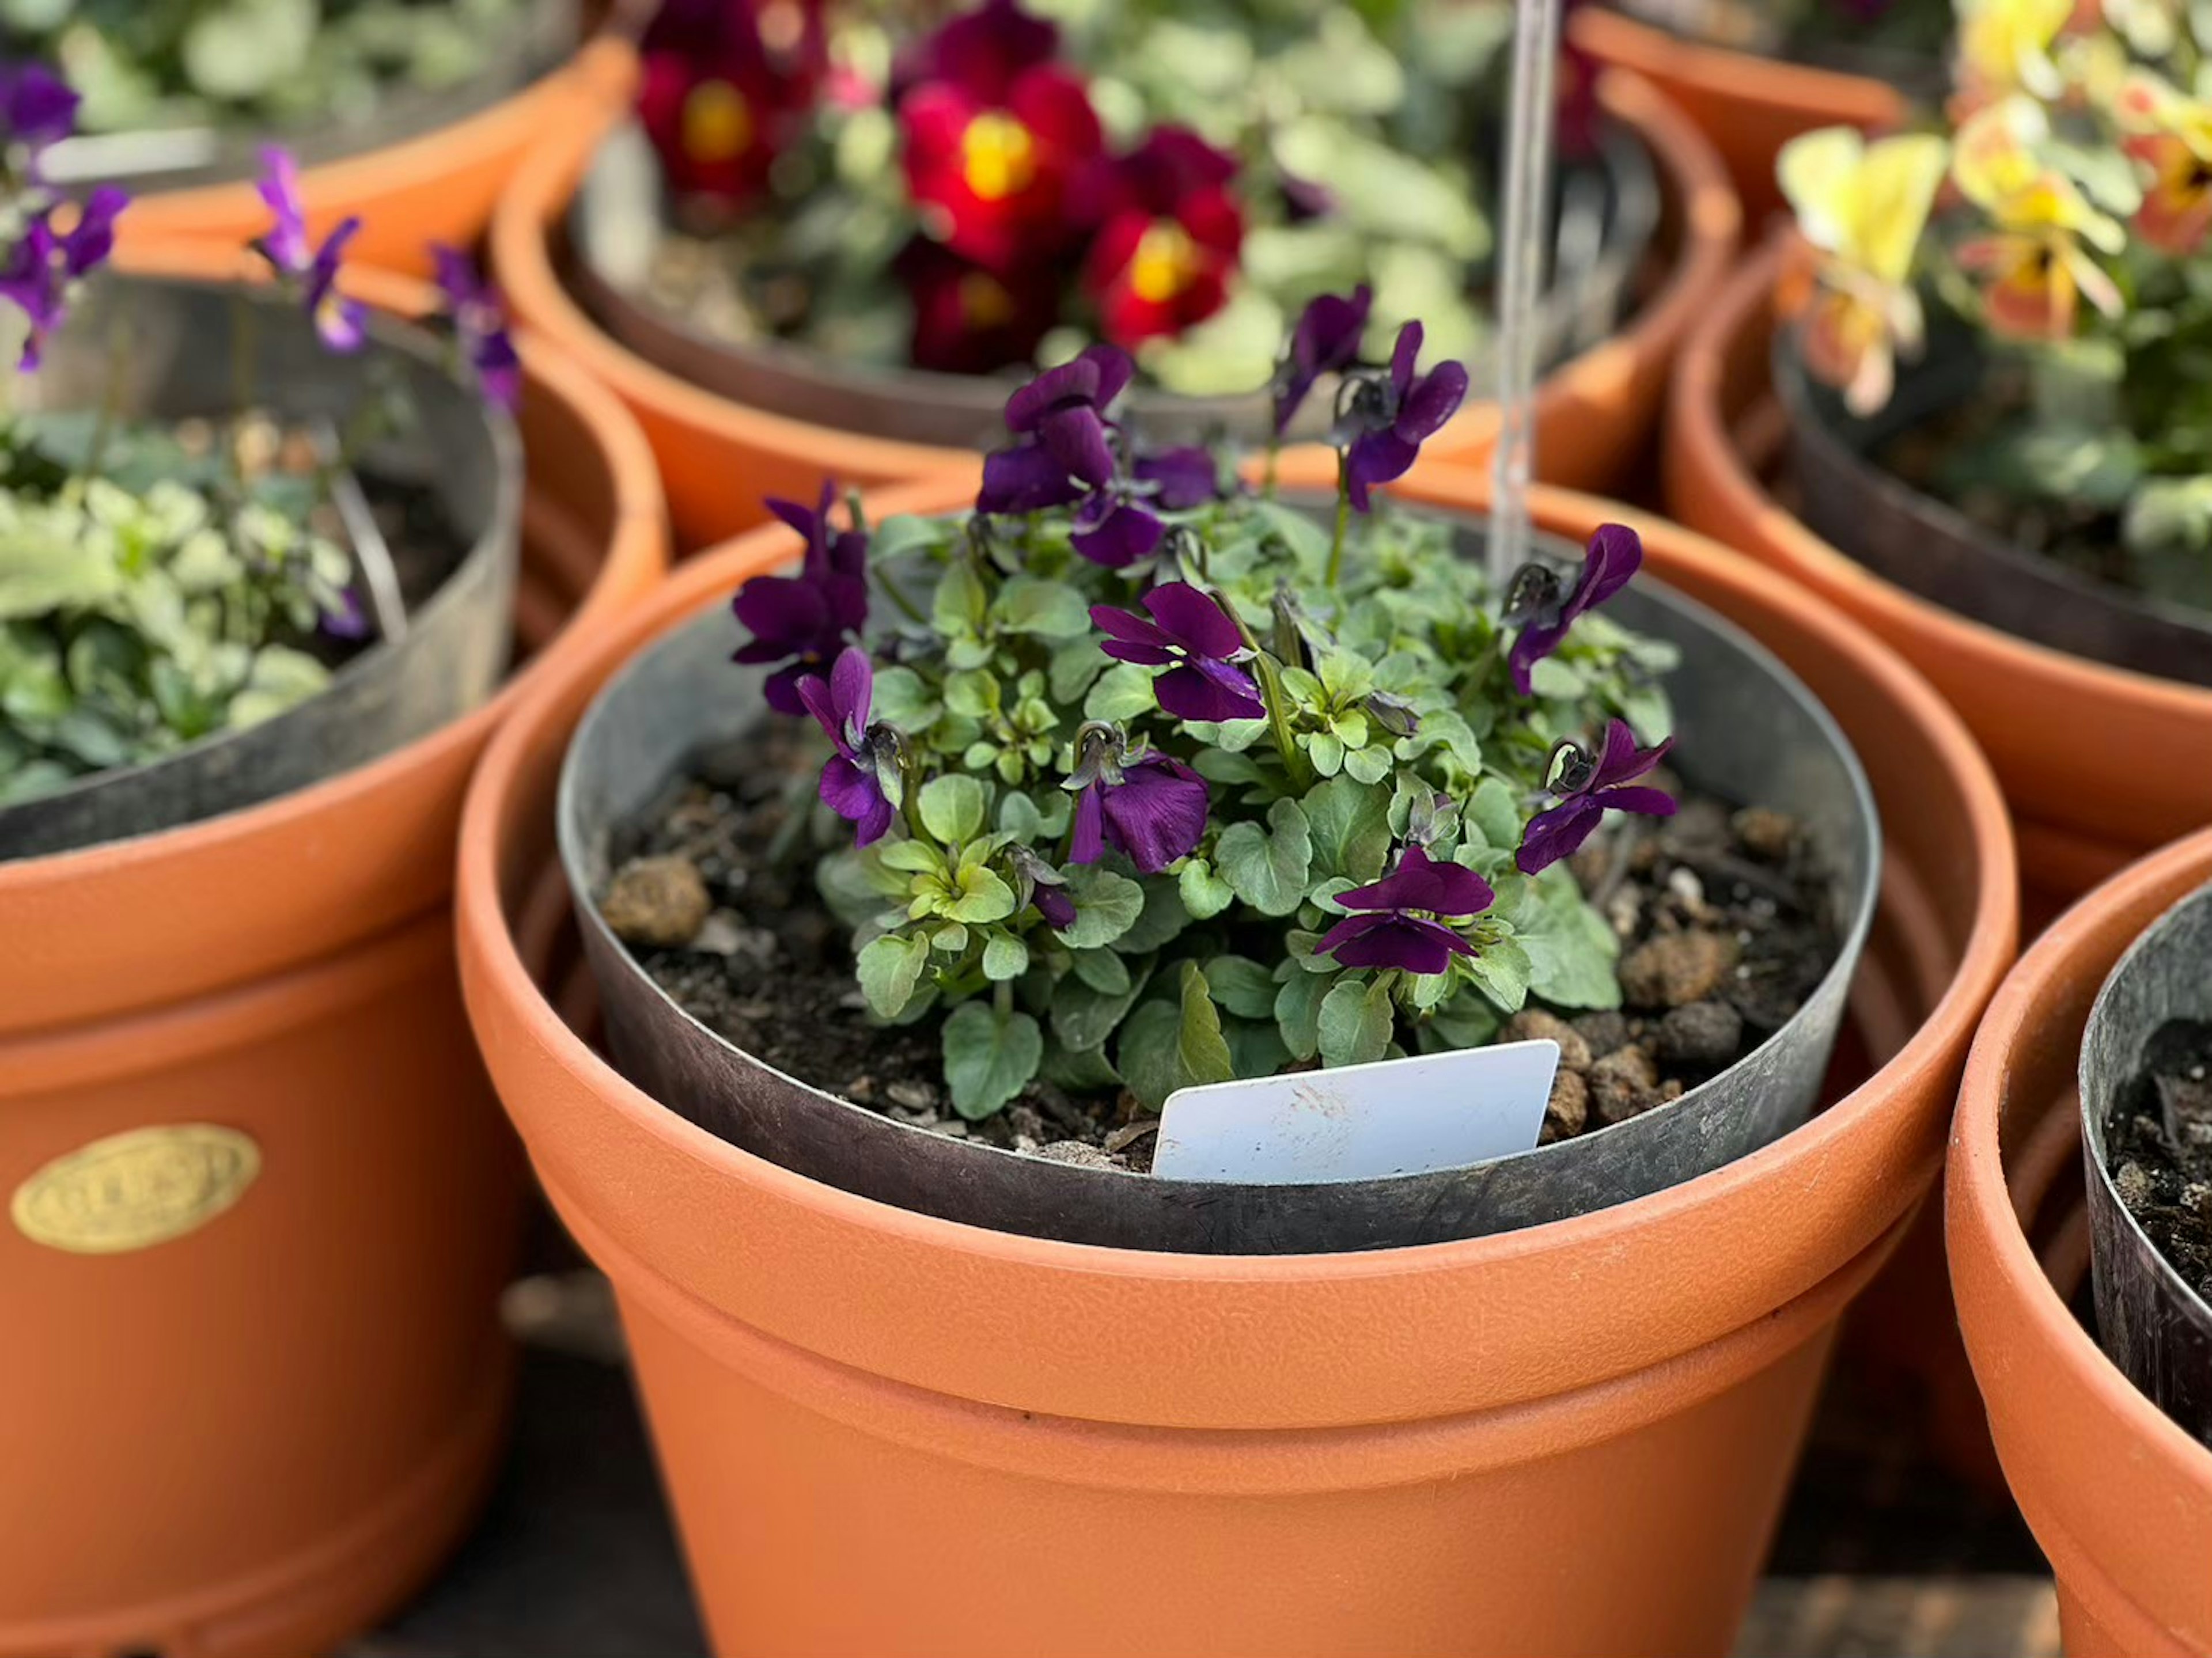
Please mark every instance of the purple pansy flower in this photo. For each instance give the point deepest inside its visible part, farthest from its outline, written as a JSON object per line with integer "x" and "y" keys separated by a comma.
{"x": 1041, "y": 885}
{"x": 804, "y": 621}
{"x": 480, "y": 325}
{"x": 1118, "y": 526}
{"x": 341, "y": 322}
{"x": 1196, "y": 640}
{"x": 1403, "y": 926}
{"x": 1587, "y": 788}
{"x": 852, "y": 780}
{"x": 1150, "y": 807}
{"x": 1545, "y": 613}
{"x": 44, "y": 264}
{"x": 1325, "y": 341}
{"x": 1385, "y": 416}
{"x": 1176, "y": 480}
{"x": 1067, "y": 449}
{"x": 38, "y": 108}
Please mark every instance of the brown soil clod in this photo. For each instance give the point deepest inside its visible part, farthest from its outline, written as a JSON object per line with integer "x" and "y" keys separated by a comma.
{"x": 660, "y": 902}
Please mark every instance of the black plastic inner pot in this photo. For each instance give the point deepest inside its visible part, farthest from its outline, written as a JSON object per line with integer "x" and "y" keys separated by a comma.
{"x": 1747, "y": 730}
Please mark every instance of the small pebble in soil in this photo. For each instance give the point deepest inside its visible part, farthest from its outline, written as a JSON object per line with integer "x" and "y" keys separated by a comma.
{"x": 661, "y": 902}
{"x": 1702, "y": 1036}
{"x": 1676, "y": 969}
{"x": 1568, "y": 1109}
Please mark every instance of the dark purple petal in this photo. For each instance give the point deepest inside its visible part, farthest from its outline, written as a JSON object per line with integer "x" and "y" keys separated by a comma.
{"x": 286, "y": 244}
{"x": 782, "y": 688}
{"x": 1375, "y": 458}
{"x": 1209, "y": 691}
{"x": 852, "y": 792}
{"x": 785, "y": 614}
{"x": 1531, "y": 645}
{"x": 37, "y": 106}
{"x": 1326, "y": 341}
{"x": 92, "y": 237}
{"x": 1128, "y": 533}
{"x": 1404, "y": 356}
{"x": 1622, "y": 760}
{"x": 1180, "y": 479}
{"x": 1404, "y": 942}
{"x": 1158, "y": 814}
{"x": 1076, "y": 437}
{"x": 1025, "y": 478}
{"x": 1195, "y": 620}
{"x": 1557, "y": 834}
{"x": 1086, "y": 838}
{"x": 498, "y": 366}
{"x": 1421, "y": 883}
{"x": 1433, "y": 402}
{"x": 814, "y": 695}
{"x": 1648, "y": 803}
{"x": 1057, "y": 908}
{"x": 1090, "y": 381}
{"x": 1133, "y": 638}
{"x": 852, "y": 688}
{"x": 1615, "y": 553}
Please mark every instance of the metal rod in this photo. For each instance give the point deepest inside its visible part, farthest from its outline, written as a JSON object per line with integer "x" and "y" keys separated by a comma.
{"x": 372, "y": 555}
{"x": 1530, "y": 122}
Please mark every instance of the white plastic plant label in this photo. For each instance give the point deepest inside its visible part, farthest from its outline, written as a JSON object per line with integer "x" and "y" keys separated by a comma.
{"x": 1360, "y": 1122}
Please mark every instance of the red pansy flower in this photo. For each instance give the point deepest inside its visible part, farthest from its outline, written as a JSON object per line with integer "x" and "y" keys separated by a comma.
{"x": 727, "y": 85}
{"x": 971, "y": 320}
{"x": 1170, "y": 231}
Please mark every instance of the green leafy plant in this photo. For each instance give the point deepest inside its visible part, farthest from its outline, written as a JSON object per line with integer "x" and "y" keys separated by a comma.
{"x": 1160, "y": 782}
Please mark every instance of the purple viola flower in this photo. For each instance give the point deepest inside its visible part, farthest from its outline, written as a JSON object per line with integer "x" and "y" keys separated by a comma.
{"x": 1326, "y": 341}
{"x": 1178, "y": 479}
{"x": 1403, "y": 924}
{"x": 852, "y": 780}
{"x": 1196, "y": 640}
{"x": 42, "y": 267}
{"x": 1587, "y": 787}
{"x": 38, "y": 107}
{"x": 1386, "y": 415}
{"x": 1120, "y": 525}
{"x": 1066, "y": 448}
{"x": 346, "y": 619}
{"x": 1544, "y": 613}
{"x": 341, "y": 322}
{"x": 1041, "y": 885}
{"x": 480, "y": 325}
{"x": 803, "y": 621}
{"x": 1148, "y": 806}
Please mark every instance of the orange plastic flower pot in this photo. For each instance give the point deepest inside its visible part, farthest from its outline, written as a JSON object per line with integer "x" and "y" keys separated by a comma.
{"x": 2119, "y": 1497}
{"x": 1748, "y": 106}
{"x": 260, "y": 1205}
{"x": 2100, "y": 765}
{"x": 1364, "y": 1453}
{"x": 720, "y": 457}
{"x": 439, "y": 186}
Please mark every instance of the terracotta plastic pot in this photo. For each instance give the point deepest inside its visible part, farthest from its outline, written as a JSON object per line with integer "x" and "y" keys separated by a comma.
{"x": 1396, "y": 1451}
{"x": 2119, "y": 1497}
{"x": 260, "y": 1206}
{"x": 2096, "y": 760}
{"x": 439, "y": 186}
{"x": 1748, "y": 106}
{"x": 719, "y": 458}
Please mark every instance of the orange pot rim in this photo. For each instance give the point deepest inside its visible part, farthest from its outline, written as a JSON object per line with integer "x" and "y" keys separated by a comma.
{"x": 1694, "y": 414}
{"x": 634, "y": 550}
{"x": 523, "y": 1031}
{"x": 1690, "y": 169}
{"x": 1979, "y": 1200}
{"x": 1827, "y": 95}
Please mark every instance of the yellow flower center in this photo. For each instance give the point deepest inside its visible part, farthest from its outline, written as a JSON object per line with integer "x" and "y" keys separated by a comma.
{"x": 984, "y": 301}
{"x": 998, "y": 156}
{"x": 718, "y": 122}
{"x": 1165, "y": 264}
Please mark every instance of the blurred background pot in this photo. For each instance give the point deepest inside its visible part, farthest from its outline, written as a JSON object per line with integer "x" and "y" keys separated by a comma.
{"x": 1748, "y": 105}
{"x": 2095, "y": 759}
{"x": 719, "y": 457}
{"x": 428, "y": 170}
{"x": 2119, "y": 1495}
{"x": 827, "y": 1377}
{"x": 1747, "y": 730}
{"x": 257, "y": 1378}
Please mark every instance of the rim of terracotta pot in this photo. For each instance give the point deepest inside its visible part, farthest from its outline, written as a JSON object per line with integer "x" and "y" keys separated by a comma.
{"x": 1624, "y": 1288}
{"x": 1711, "y": 486}
{"x": 453, "y": 172}
{"x": 1812, "y": 93}
{"x": 1692, "y": 176}
{"x": 533, "y": 51}
{"x": 369, "y": 836}
{"x": 2132, "y": 1548}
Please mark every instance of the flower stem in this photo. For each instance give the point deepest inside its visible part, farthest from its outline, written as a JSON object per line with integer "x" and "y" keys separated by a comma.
{"x": 1267, "y": 477}
{"x": 1343, "y": 518}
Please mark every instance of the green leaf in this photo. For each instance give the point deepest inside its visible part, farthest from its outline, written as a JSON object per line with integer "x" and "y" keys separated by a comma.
{"x": 1241, "y": 986}
{"x": 1074, "y": 667}
{"x": 1297, "y": 1013}
{"x": 1102, "y": 970}
{"x": 972, "y": 694}
{"x": 989, "y": 1058}
{"x": 1553, "y": 678}
{"x": 1371, "y": 764}
{"x": 1502, "y": 971}
{"x": 1201, "y": 1051}
{"x": 1146, "y": 1055}
{"x": 1256, "y": 1050}
{"x": 1123, "y": 692}
{"x": 958, "y": 606}
{"x": 1269, "y": 869}
{"x": 1089, "y": 1071}
{"x": 1050, "y": 609}
{"x": 1107, "y": 906}
{"x": 1350, "y": 823}
{"x": 1493, "y": 816}
{"x": 1084, "y": 1016}
{"x": 900, "y": 699}
{"x": 889, "y": 970}
{"x": 985, "y": 896}
{"x": 244, "y": 49}
{"x": 952, "y": 808}
{"x": 1004, "y": 957}
{"x": 1162, "y": 919}
{"x": 1356, "y": 1022}
{"x": 1326, "y": 752}
{"x": 1204, "y": 893}
{"x": 1019, "y": 817}
{"x": 1572, "y": 951}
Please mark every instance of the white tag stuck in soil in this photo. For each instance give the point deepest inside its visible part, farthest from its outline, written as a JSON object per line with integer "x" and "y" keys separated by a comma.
{"x": 1360, "y": 1122}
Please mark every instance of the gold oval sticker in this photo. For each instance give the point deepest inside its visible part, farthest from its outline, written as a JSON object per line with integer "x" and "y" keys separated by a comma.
{"x": 133, "y": 1190}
